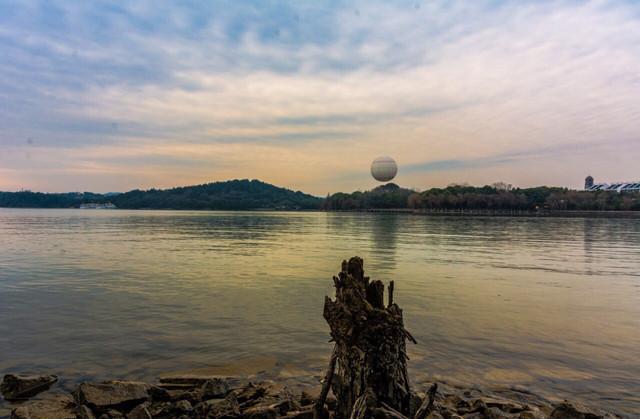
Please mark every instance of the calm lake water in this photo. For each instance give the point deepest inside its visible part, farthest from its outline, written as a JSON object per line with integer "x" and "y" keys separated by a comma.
{"x": 549, "y": 304}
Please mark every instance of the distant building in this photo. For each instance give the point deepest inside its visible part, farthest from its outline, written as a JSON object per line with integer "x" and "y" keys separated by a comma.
{"x": 589, "y": 185}
{"x": 588, "y": 182}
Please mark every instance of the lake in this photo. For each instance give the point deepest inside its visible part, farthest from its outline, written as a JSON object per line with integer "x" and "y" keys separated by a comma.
{"x": 549, "y": 304}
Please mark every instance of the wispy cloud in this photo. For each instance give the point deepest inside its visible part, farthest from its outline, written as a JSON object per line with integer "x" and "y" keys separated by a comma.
{"x": 302, "y": 94}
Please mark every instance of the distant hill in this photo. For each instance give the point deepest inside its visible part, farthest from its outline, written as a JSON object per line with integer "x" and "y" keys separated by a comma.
{"x": 229, "y": 195}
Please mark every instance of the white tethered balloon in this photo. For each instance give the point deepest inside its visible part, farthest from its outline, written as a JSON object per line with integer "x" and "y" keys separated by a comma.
{"x": 384, "y": 168}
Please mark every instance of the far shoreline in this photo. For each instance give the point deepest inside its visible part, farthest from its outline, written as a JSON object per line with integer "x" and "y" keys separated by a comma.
{"x": 408, "y": 211}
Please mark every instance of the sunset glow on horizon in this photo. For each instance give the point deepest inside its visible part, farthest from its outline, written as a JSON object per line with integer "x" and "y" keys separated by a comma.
{"x": 101, "y": 96}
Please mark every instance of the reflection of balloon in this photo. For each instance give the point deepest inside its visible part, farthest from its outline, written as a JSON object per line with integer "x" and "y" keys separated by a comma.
{"x": 383, "y": 169}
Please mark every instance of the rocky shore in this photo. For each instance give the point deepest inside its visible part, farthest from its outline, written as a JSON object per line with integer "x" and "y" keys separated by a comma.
{"x": 196, "y": 396}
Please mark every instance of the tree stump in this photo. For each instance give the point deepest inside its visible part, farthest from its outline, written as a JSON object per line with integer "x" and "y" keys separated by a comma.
{"x": 368, "y": 370}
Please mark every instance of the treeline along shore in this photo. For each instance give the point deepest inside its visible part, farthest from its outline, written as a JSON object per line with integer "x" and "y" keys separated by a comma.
{"x": 497, "y": 199}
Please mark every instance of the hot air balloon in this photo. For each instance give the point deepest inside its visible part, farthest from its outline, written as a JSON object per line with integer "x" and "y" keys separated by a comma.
{"x": 384, "y": 168}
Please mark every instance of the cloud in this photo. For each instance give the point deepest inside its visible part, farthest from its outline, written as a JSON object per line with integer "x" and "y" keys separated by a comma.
{"x": 305, "y": 95}
{"x": 517, "y": 157}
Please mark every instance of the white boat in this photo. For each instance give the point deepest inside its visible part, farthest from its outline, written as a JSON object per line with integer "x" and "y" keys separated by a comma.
{"x": 91, "y": 205}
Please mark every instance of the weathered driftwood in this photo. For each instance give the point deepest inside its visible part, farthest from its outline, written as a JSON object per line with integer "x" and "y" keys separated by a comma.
{"x": 370, "y": 347}
{"x": 319, "y": 411}
{"x": 428, "y": 404}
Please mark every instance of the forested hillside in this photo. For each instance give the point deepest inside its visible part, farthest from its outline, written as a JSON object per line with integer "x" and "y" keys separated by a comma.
{"x": 228, "y": 195}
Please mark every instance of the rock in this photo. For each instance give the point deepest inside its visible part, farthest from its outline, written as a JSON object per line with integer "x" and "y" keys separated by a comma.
{"x": 505, "y": 405}
{"x": 274, "y": 389}
{"x": 525, "y": 398}
{"x": 384, "y": 413}
{"x": 496, "y": 413}
{"x": 112, "y": 394}
{"x": 159, "y": 393}
{"x": 567, "y": 410}
{"x": 260, "y": 412}
{"x": 461, "y": 405}
{"x": 216, "y": 388}
{"x": 195, "y": 380}
{"x": 184, "y": 406}
{"x": 532, "y": 414}
{"x": 183, "y": 381}
{"x": 140, "y": 412}
{"x": 193, "y": 395}
{"x": 84, "y": 412}
{"x": 306, "y": 413}
{"x": 307, "y": 398}
{"x": 161, "y": 409}
{"x": 17, "y": 386}
{"x": 177, "y": 386}
{"x": 59, "y": 406}
{"x": 284, "y": 406}
{"x": 217, "y": 408}
{"x": 112, "y": 414}
{"x": 250, "y": 392}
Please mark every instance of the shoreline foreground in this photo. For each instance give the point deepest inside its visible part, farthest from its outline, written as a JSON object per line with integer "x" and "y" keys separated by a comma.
{"x": 206, "y": 396}
{"x": 366, "y": 377}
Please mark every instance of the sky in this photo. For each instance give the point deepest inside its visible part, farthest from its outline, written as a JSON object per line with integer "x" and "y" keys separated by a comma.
{"x": 112, "y": 96}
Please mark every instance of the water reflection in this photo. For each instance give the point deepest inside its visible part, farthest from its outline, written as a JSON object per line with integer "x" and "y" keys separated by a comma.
{"x": 550, "y": 303}
{"x": 589, "y": 239}
{"x": 384, "y": 233}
